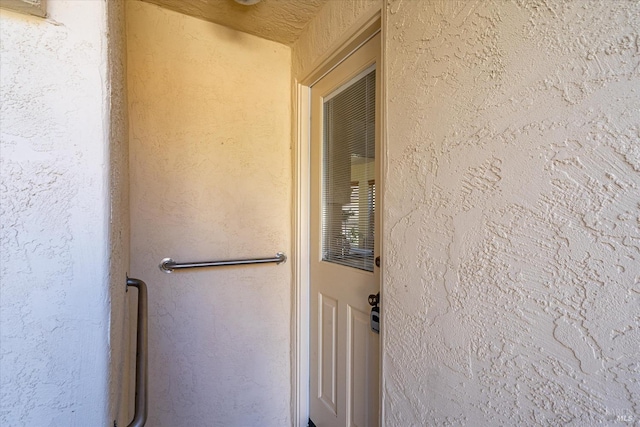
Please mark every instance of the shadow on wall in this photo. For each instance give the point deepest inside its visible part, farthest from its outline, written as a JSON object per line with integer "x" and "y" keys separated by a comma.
{"x": 210, "y": 179}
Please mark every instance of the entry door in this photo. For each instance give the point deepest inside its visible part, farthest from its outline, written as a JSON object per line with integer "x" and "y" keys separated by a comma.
{"x": 344, "y": 351}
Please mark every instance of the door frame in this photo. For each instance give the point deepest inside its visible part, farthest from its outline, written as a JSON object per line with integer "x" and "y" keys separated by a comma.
{"x": 363, "y": 30}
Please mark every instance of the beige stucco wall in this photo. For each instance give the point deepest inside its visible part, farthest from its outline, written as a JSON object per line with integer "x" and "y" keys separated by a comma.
{"x": 512, "y": 216}
{"x": 63, "y": 224}
{"x": 211, "y": 179}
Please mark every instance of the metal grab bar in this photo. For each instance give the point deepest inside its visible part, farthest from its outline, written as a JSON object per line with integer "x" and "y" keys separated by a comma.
{"x": 168, "y": 265}
{"x": 140, "y": 414}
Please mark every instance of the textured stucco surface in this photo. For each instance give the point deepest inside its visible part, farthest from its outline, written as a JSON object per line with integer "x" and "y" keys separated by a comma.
{"x": 512, "y": 213}
{"x": 54, "y": 207}
{"x": 329, "y": 26}
{"x": 122, "y": 356}
{"x": 211, "y": 179}
{"x": 278, "y": 20}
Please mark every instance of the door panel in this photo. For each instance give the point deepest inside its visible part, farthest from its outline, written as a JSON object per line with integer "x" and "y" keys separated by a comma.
{"x": 344, "y": 239}
{"x": 358, "y": 351}
{"x": 328, "y": 334}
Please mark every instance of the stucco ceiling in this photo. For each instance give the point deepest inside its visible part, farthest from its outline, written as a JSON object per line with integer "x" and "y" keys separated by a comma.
{"x": 277, "y": 20}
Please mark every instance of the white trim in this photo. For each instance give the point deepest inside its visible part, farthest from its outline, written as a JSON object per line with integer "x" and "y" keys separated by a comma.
{"x": 348, "y": 50}
{"x": 384, "y": 169}
{"x": 349, "y": 83}
{"x": 28, "y": 7}
{"x": 300, "y": 254}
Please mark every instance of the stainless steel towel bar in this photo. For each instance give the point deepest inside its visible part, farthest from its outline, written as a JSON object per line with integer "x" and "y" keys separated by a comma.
{"x": 140, "y": 414}
{"x": 168, "y": 265}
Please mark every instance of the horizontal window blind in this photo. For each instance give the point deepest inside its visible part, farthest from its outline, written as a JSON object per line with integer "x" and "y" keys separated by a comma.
{"x": 348, "y": 207}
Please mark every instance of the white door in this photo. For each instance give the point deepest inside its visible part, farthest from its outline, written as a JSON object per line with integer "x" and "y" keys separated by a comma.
{"x": 344, "y": 365}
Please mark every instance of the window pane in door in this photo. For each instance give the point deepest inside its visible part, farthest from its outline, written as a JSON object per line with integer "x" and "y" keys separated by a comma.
{"x": 348, "y": 185}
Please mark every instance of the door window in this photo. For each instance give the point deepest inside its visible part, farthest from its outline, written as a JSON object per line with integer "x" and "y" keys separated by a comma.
{"x": 348, "y": 205}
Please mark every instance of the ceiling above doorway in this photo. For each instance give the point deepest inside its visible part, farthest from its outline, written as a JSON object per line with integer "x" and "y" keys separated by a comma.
{"x": 278, "y": 20}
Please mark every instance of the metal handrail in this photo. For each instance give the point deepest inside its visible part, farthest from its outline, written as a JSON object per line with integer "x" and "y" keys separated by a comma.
{"x": 140, "y": 414}
{"x": 168, "y": 265}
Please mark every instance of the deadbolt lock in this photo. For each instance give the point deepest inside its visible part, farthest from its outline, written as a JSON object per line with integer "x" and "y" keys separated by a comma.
{"x": 374, "y": 300}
